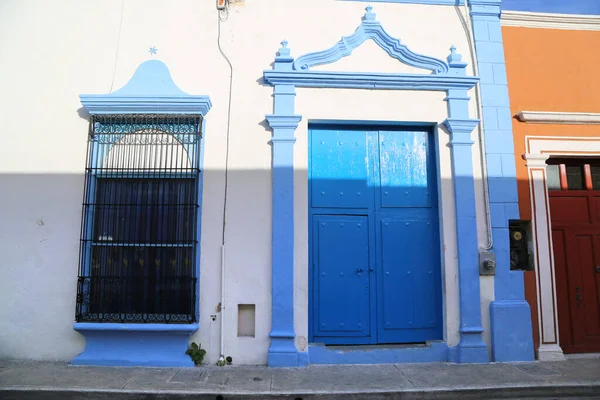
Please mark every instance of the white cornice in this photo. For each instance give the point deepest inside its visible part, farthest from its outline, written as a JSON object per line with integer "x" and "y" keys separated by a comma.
{"x": 551, "y": 21}
{"x": 545, "y": 117}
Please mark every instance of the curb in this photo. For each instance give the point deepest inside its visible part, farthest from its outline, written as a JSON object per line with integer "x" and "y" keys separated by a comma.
{"x": 488, "y": 393}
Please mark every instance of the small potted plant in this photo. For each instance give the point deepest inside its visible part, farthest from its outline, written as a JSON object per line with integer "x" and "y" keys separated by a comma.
{"x": 196, "y": 353}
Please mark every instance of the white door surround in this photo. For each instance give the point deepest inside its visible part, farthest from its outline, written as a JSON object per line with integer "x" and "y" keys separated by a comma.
{"x": 538, "y": 150}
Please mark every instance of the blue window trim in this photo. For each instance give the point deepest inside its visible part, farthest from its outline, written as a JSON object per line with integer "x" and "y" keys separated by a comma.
{"x": 429, "y": 2}
{"x": 151, "y": 90}
{"x": 449, "y": 76}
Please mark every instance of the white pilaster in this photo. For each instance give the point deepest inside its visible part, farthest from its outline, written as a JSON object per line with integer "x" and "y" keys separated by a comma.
{"x": 549, "y": 349}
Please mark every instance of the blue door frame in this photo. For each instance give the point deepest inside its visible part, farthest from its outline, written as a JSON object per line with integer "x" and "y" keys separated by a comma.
{"x": 378, "y": 208}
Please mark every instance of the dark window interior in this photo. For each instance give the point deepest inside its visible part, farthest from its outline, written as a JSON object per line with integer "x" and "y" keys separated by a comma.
{"x": 573, "y": 174}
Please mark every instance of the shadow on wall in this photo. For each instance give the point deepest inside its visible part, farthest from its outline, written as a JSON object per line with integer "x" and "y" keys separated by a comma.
{"x": 371, "y": 221}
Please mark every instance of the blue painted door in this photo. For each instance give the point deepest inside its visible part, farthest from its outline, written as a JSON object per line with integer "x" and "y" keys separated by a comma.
{"x": 374, "y": 236}
{"x": 342, "y": 266}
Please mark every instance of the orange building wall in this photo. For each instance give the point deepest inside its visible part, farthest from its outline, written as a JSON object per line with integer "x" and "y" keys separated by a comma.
{"x": 549, "y": 70}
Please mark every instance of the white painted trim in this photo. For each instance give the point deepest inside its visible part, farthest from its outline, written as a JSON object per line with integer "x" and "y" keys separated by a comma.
{"x": 548, "y": 117}
{"x": 540, "y": 148}
{"x": 536, "y": 160}
{"x": 574, "y": 22}
{"x": 550, "y": 352}
{"x": 561, "y": 145}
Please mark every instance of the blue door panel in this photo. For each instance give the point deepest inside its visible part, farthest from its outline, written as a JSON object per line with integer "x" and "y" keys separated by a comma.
{"x": 339, "y": 169}
{"x": 404, "y": 167}
{"x": 410, "y": 265}
{"x": 341, "y": 275}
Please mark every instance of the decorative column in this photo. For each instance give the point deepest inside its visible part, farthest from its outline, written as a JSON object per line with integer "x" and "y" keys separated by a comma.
{"x": 283, "y": 352}
{"x": 471, "y": 348}
{"x": 545, "y": 281}
{"x": 510, "y": 316}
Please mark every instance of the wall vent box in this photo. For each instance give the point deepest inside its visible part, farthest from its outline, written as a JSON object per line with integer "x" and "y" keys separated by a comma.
{"x": 246, "y": 320}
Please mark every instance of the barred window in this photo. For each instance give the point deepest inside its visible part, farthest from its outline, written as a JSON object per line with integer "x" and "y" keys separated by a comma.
{"x": 139, "y": 224}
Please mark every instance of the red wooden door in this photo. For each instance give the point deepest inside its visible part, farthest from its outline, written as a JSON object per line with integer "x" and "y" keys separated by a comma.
{"x": 574, "y": 190}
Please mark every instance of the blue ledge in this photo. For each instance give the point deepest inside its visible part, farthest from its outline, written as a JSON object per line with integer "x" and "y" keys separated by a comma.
{"x": 129, "y": 345}
{"x": 373, "y": 80}
{"x": 150, "y": 90}
{"x": 431, "y": 2}
{"x": 432, "y": 352}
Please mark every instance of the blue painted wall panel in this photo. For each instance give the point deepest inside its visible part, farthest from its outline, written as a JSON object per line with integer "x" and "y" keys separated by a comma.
{"x": 500, "y": 74}
{"x": 495, "y": 95}
{"x": 591, "y": 7}
{"x": 498, "y": 215}
{"x": 505, "y": 122}
{"x": 510, "y": 322}
{"x": 486, "y": 73}
{"x": 490, "y": 117}
{"x": 495, "y": 140}
{"x": 489, "y": 52}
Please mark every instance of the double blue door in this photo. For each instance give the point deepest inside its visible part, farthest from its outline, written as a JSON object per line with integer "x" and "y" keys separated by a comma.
{"x": 374, "y": 236}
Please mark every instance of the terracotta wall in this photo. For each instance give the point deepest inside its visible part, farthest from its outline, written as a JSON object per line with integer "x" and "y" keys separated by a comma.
{"x": 549, "y": 70}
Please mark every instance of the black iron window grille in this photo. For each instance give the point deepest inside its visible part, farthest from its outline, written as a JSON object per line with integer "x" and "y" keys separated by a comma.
{"x": 138, "y": 253}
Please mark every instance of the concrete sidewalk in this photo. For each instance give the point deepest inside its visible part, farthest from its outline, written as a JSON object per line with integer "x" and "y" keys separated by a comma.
{"x": 573, "y": 378}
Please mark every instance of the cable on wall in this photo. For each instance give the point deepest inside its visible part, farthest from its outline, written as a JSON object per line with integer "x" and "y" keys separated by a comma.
{"x": 118, "y": 45}
{"x": 481, "y": 139}
{"x": 225, "y": 13}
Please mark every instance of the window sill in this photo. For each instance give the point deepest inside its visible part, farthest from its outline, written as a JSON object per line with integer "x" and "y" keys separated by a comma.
{"x": 114, "y": 326}
{"x": 147, "y": 345}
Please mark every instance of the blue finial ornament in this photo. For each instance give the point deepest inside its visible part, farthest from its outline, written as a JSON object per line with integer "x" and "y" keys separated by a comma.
{"x": 369, "y": 15}
{"x": 153, "y": 50}
{"x": 284, "y": 50}
{"x": 454, "y": 58}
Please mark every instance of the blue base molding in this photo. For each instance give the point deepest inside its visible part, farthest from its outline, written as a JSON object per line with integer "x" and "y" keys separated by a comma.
{"x": 283, "y": 352}
{"x": 129, "y": 345}
{"x": 432, "y": 352}
{"x": 512, "y": 338}
{"x": 471, "y": 349}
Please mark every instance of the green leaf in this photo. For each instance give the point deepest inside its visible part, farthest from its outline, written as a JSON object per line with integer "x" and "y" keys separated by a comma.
{"x": 195, "y": 346}
{"x": 189, "y": 352}
{"x": 202, "y": 351}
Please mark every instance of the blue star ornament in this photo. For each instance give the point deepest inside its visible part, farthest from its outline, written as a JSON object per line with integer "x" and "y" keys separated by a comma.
{"x": 153, "y": 50}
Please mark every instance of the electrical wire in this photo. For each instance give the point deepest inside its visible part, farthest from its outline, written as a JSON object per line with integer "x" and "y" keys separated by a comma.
{"x": 222, "y": 304}
{"x": 118, "y": 45}
{"x": 226, "y": 12}
{"x": 481, "y": 135}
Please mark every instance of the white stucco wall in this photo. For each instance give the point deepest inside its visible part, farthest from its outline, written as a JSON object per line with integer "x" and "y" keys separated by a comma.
{"x": 54, "y": 51}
